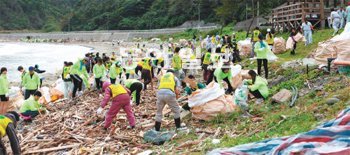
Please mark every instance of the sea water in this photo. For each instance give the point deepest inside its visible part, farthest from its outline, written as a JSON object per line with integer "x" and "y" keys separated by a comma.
{"x": 49, "y": 57}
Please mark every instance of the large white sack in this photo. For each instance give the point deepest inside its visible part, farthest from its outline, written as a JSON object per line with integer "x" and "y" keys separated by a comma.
{"x": 211, "y": 92}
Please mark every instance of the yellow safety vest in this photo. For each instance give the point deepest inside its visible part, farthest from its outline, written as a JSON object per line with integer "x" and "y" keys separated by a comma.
{"x": 4, "y": 122}
{"x": 146, "y": 64}
{"x": 269, "y": 39}
{"x": 66, "y": 71}
{"x": 160, "y": 60}
{"x": 256, "y": 34}
{"x": 206, "y": 59}
{"x": 117, "y": 89}
{"x": 177, "y": 62}
{"x": 223, "y": 49}
{"x": 167, "y": 82}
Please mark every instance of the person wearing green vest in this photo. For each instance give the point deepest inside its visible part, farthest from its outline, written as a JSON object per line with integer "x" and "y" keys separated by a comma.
{"x": 255, "y": 38}
{"x": 79, "y": 76}
{"x": 146, "y": 72}
{"x": 113, "y": 73}
{"x": 67, "y": 81}
{"x": 224, "y": 74}
{"x": 99, "y": 71}
{"x": 8, "y": 124}
{"x": 23, "y": 72}
{"x": 135, "y": 87}
{"x": 261, "y": 50}
{"x": 206, "y": 61}
{"x": 31, "y": 83}
{"x": 31, "y": 107}
{"x": 347, "y": 11}
{"x": 258, "y": 86}
{"x": 177, "y": 65}
{"x": 4, "y": 85}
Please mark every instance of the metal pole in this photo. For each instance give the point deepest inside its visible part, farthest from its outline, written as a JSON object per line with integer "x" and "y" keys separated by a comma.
{"x": 246, "y": 10}
{"x": 257, "y": 19}
{"x": 199, "y": 13}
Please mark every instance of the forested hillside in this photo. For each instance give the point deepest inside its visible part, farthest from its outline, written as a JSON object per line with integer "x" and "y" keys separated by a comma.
{"x": 68, "y": 15}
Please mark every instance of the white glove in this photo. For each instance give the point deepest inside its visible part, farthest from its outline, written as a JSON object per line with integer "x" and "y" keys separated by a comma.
{"x": 99, "y": 111}
{"x": 7, "y": 95}
{"x": 68, "y": 76}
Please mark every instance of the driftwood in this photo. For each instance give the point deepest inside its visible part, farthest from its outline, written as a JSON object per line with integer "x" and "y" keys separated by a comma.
{"x": 53, "y": 149}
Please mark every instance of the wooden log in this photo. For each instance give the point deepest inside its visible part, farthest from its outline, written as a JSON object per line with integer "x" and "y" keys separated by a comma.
{"x": 53, "y": 149}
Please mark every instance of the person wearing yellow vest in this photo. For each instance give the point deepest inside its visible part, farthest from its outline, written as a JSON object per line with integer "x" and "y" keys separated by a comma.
{"x": 120, "y": 97}
{"x": 99, "y": 71}
{"x": 130, "y": 69}
{"x": 160, "y": 62}
{"x": 146, "y": 72}
{"x": 67, "y": 81}
{"x": 31, "y": 107}
{"x": 206, "y": 61}
{"x": 166, "y": 95}
{"x": 255, "y": 38}
{"x": 8, "y": 124}
{"x": 113, "y": 56}
{"x": 135, "y": 87}
{"x": 31, "y": 83}
{"x": 138, "y": 67}
{"x": 270, "y": 38}
{"x": 79, "y": 75}
{"x": 4, "y": 85}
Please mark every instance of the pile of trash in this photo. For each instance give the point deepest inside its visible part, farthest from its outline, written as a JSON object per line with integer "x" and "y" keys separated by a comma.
{"x": 74, "y": 125}
{"x": 330, "y": 138}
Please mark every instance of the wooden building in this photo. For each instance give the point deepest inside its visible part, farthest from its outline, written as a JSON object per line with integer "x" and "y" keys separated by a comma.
{"x": 291, "y": 13}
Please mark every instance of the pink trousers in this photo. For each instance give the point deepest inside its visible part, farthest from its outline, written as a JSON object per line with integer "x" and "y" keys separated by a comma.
{"x": 119, "y": 102}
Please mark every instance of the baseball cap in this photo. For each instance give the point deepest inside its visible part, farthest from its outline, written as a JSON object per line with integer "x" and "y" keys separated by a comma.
{"x": 31, "y": 68}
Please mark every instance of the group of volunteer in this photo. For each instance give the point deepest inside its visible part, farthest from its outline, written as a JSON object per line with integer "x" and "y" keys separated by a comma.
{"x": 121, "y": 83}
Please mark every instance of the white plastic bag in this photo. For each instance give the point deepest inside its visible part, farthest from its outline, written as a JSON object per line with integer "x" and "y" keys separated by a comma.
{"x": 14, "y": 92}
{"x": 271, "y": 56}
{"x": 241, "y": 97}
{"x": 211, "y": 92}
{"x": 45, "y": 91}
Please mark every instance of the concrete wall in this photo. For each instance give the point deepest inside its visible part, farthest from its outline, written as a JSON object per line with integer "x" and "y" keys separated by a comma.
{"x": 97, "y": 36}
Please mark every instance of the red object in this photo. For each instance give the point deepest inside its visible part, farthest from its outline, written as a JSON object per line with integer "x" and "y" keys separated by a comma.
{"x": 26, "y": 118}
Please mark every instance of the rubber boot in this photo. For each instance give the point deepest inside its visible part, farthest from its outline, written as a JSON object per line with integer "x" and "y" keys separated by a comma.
{"x": 177, "y": 122}
{"x": 157, "y": 126}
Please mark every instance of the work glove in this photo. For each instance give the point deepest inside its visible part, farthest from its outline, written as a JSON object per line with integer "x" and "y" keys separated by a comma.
{"x": 68, "y": 76}
{"x": 7, "y": 95}
{"x": 99, "y": 111}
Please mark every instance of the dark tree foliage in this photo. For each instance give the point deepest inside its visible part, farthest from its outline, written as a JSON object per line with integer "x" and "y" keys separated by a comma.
{"x": 76, "y": 15}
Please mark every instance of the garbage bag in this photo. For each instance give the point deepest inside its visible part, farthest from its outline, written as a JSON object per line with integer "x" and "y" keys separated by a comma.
{"x": 46, "y": 97}
{"x": 279, "y": 45}
{"x": 241, "y": 97}
{"x": 271, "y": 56}
{"x": 245, "y": 47}
{"x": 157, "y": 138}
{"x": 209, "y": 110}
{"x": 211, "y": 92}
